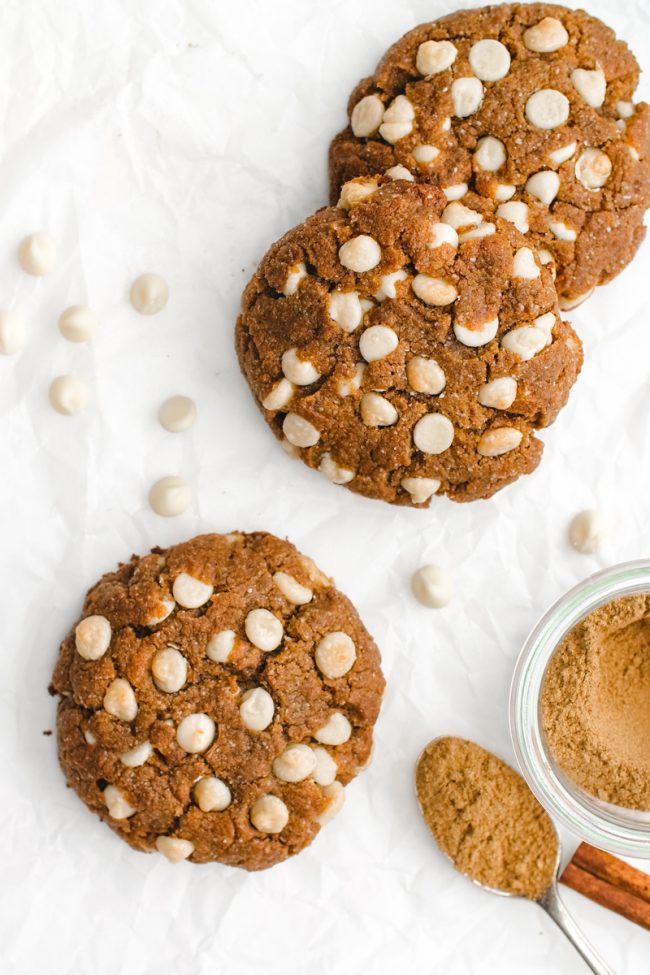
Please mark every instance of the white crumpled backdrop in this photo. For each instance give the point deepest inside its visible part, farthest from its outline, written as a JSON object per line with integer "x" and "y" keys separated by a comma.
{"x": 184, "y": 136}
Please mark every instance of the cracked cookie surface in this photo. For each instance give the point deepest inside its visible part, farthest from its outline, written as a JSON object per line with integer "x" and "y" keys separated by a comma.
{"x": 215, "y": 698}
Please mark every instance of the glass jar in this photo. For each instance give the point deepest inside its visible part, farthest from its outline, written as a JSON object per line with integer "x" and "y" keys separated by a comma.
{"x": 606, "y": 826}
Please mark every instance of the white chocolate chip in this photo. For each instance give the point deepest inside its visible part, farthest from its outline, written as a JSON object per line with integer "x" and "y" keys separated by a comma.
{"x": 165, "y": 607}
{"x": 37, "y": 254}
{"x": 445, "y": 125}
{"x": 92, "y": 637}
{"x": 504, "y": 191}
{"x": 587, "y": 531}
{"x": 477, "y": 336}
{"x": 498, "y": 394}
{"x": 292, "y": 590}
{"x": 335, "y": 794}
{"x": 256, "y": 709}
{"x": 483, "y": 230}
{"x": 432, "y": 586}
{"x": 360, "y": 254}
{"x": 269, "y": 814}
{"x": 377, "y": 342}
{"x": 90, "y": 738}
{"x": 190, "y": 593}
{"x": 499, "y": 441}
{"x": 301, "y": 372}
{"x": 489, "y": 60}
{"x": 633, "y": 151}
{"x": 524, "y": 342}
{"x": 12, "y": 333}
{"x": 77, "y": 323}
{"x": 117, "y": 804}
{"x": 561, "y": 230}
{"x": 566, "y": 304}
{"x": 367, "y": 116}
{"x": 170, "y": 496}
{"x": 433, "y": 291}
{"x": 345, "y": 309}
{"x": 195, "y": 733}
{"x": 346, "y": 387}
{"x": 547, "y": 36}
{"x": 590, "y": 85}
{"x": 490, "y": 153}
{"x": 325, "y": 768}
{"x": 425, "y": 375}
{"x": 466, "y": 96}
{"x": 377, "y": 411}
{"x": 335, "y": 655}
{"x": 279, "y": 396}
{"x": 433, "y": 433}
{"x": 296, "y": 763}
{"x": 264, "y": 630}
{"x": 120, "y": 701}
{"x": 547, "y": 108}
{"x": 624, "y": 109}
{"x": 220, "y": 646}
{"x": 620, "y": 124}
{"x": 295, "y": 275}
{"x": 561, "y": 155}
{"x": 137, "y": 756}
{"x": 211, "y": 794}
{"x": 355, "y": 191}
{"x": 435, "y": 56}
{"x": 425, "y": 154}
{"x": 546, "y": 324}
{"x": 336, "y": 730}
{"x": 441, "y": 234}
{"x": 420, "y": 488}
{"x": 543, "y": 186}
{"x": 455, "y": 191}
{"x": 174, "y": 849}
{"x": 593, "y": 168}
{"x": 149, "y": 294}
{"x": 333, "y": 471}
{"x": 400, "y": 172}
{"x": 398, "y": 120}
{"x": 524, "y": 265}
{"x": 68, "y": 395}
{"x": 169, "y": 669}
{"x": 387, "y": 285}
{"x": 515, "y": 212}
{"x": 299, "y": 432}
{"x": 459, "y": 216}
{"x": 177, "y": 414}
{"x": 545, "y": 257}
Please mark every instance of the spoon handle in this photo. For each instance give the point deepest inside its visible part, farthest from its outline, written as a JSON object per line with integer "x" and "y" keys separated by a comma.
{"x": 554, "y": 907}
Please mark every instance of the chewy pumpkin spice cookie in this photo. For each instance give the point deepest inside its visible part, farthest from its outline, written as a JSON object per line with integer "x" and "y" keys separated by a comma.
{"x": 406, "y": 346}
{"x": 215, "y": 699}
{"x": 525, "y": 109}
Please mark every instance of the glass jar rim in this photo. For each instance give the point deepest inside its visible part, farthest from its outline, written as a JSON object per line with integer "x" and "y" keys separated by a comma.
{"x": 612, "y": 828}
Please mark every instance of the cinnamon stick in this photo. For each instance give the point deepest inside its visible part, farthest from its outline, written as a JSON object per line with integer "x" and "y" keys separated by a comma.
{"x": 609, "y": 882}
{"x": 613, "y": 870}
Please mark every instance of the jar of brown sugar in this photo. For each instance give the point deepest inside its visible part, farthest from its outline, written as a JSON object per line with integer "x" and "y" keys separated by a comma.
{"x": 580, "y": 709}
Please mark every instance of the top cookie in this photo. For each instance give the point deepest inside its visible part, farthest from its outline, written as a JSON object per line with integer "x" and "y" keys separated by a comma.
{"x": 525, "y": 103}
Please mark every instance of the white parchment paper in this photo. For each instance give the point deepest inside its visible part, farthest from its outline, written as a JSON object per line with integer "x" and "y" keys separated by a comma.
{"x": 184, "y": 136}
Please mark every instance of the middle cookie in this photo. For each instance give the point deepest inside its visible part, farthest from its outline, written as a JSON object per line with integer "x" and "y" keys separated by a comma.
{"x": 406, "y": 346}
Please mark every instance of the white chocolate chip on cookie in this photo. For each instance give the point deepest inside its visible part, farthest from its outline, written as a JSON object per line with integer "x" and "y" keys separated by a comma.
{"x": 504, "y": 191}
{"x": 561, "y": 230}
{"x": 336, "y": 730}
{"x": 459, "y": 216}
{"x": 335, "y": 655}
{"x": 524, "y": 265}
{"x": 294, "y": 276}
{"x": 137, "y": 756}
{"x": 335, "y": 794}
{"x": 296, "y": 763}
{"x": 499, "y": 441}
{"x": 92, "y": 637}
{"x": 435, "y": 56}
{"x": 190, "y": 593}
{"x": 120, "y": 700}
{"x": 593, "y": 168}
{"x": 165, "y": 608}
{"x": 360, "y": 254}
{"x": 489, "y": 60}
{"x": 335, "y": 472}
{"x": 377, "y": 411}
{"x": 220, "y": 646}
{"x": 264, "y": 630}
{"x": 269, "y": 814}
{"x": 355, "y": 191}
{"x": 441, "y": 234}
{"x": 425, "y": 154}
{"x": 490, "y": 154}
{"x": 299, "y": 432}
{"x": 279, "y": 396}
{"x": 525, "y": 342}
{"x": 256, "y": 709}
{"x": 169, "y": 669}
{"x": 344, "y": 308}
{"x": 483, "y": 230}
{"x": 347, "y": 387}
{"x": 174, "y": 849}
{"x": 325, "y": 768}
{"x": 543, "y": 186}
{"x": 499, "y": 394}
{"x": 547, "y": 36}
{"x": 298, "y": 371}
{"x": 149, "y": 294}
{"x": 515, "y": 212}
{"x": 292, "y": 590}
{"x": 425, "y": 375}
{"x": 367, "y": 115}
{"x": 211, "y": 794}
{"x": 455, "y": 191}
{"x": 547, "y": 108}
{"x": 195, "y": 733}
{"x": 400, "y": 172}
{"x": 117, "y": 804}
{"x": 466, "y": 96}
{"x": 590, "y": 85}
{"x": 420, "y": 488}
{"x": 398, "y": 120}
{"x": 387, "y": 284}
{"x": 433, "y": 433}
{"x": 432, "y": 586}
{"x": 479, "y": 335}
{"x": 563, "y": 154}
{"x": 377, "y": 342}
{"x": 434, "y": 291}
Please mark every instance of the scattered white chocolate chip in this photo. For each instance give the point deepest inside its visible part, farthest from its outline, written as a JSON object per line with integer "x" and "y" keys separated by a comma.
{"x": 547, "y": 36}
{"x": 344, "y": 307}
{"x": 387, "y": 284}
{"x": 515, "y": 212}
{"x": 547, "y": 108}
{"x": 170, "y": 496}
{"x": 466, "y": 96}
{"x": 504, "y": 191}
{"x": 564, "y": 153}
{"x": 425, "y": 154}
{"x": 425, "y": 375}
{"x": 483, "y": 230}
{"x": 336, "y": 730}
{"x": 117, "y": 804}
{"x": 377, "y": 411}
{"x": 12, "y": 333}
{"x": 433, "y": 433}
{"x": 325, "y": 768}
{"x": 174, "y": 848}
{"x": 264, "y": 630}
{"x": 169, "y": 669}
{"x": 498, "y": 394}
{"x": 587, "y": 531}
{"x": 624, "y": 109}
{"x": 37, "y": 254}
{"x": 120, "y": 700}
{"x": 525, "y": 342}
{"x": 455, "y": 191}
{"x": 279, "y": 396}
{"x": 269, "y": 814}
{"x": 433, "y": 291}
{"x": 292, "y": 590}
{"x": 400, "y": 172}
{"x": 560, "y": 230}
{"x": 333, "y": 471}
{"x": 377, "y": 342}
{"x": 432, "y": 586}
{"x": 593, "y": 168}
{"x": 149, "y": 294}
{"x": 92, "y": 637}
{"x": 299, "y": 432}
{"x": 490, "y": 153}
{"x": 477, "y": 336}
{"x": 459, "y": 216}
{"x": 211, "y": 794}
{"x": 524, "y": 265}
{"x": 489, "y": 60}
{"x": 195, "y": 733}
{"x": 256, "y": 709}
{"x": 294, "y": 276}
{"x": 360, "y": 254}
{"x": 137, "y": 756}
{"x": 77, "y": 323}
{"x": 296, "y": 763}
{"x": 190, "y": 593}
{"x": 367, "y": 116}
{"x": 398, "y": 120}
{"x": 335, "y": 794}
{"x": 335, "y": 654}
{"x": 355, "y": 191}
{"x": 165, "y": 607}
{"x": 543, "y": 186}
{"x": 566, "y": 304}
{"x": 499, "y": 441}
{"x": 441, "y": 234}
{"x": 346, "y": 387}
{"x": 591, "y": 85}
{"x": 177, "y": 414}
{"x": 299, "y": 371}
{"x": 90, "y": 738}
{"x": 68, "y": 395}
{"x": 435, "y": 56}
{"x": 420, "y": 488}
{"x": 220, "y": 646}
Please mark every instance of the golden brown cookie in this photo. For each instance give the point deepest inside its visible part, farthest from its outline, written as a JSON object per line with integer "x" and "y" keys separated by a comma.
{"x": 406, "y": 346}
{"x": 215, "y": 698}
{"x": 530, "y": 107}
